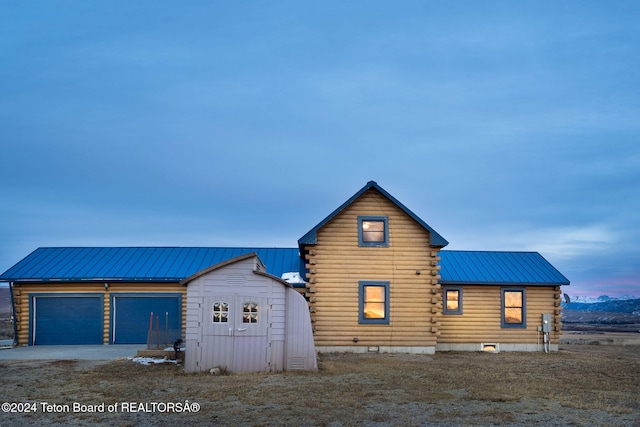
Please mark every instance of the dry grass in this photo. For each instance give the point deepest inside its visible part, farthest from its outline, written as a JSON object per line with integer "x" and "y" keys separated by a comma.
{"x": 580, "y": 385}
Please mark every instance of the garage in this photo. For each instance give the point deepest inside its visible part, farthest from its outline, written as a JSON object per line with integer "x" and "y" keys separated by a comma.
{"x": 131, "y": 318}
{"x": 66, "y": 319}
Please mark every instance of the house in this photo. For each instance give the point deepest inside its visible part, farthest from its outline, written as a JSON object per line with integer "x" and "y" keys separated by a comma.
{"x": 375, "y": 276}
{"x": 242, "y": 319}
{"x": 378, "y": 280}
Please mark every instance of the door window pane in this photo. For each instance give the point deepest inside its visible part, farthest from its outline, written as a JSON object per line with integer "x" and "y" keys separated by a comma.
{"x": 250, "y": 312}
{"x": 220, "y": 312}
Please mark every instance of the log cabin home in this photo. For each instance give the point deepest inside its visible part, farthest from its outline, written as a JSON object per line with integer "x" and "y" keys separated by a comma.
{"x": 376, "y": 278}
{"x": 379, "y": 280}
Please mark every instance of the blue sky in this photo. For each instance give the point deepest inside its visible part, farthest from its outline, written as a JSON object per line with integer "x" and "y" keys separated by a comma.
{"x": 504, "y": 125}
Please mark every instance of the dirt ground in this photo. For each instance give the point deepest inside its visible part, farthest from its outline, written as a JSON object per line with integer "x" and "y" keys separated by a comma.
{"x": 579, "y": 385}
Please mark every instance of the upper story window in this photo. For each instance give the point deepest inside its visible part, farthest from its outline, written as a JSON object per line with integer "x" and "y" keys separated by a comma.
{"x": 514, "y": 314}
{"x": 373, "y": 231}
{"x": 452, "y": 300}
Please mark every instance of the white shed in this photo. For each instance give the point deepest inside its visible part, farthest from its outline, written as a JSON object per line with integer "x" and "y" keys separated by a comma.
{"x": 244, "y": 320}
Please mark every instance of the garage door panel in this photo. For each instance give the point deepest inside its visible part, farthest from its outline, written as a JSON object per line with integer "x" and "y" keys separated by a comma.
{"x": 131, "y": 316}
{"x": 61, "y": 320}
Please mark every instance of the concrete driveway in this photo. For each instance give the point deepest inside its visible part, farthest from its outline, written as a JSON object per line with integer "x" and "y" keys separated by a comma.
{"x": 71, "y": 352}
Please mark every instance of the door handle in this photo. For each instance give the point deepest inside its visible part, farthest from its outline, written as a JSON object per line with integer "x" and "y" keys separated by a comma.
{"x": 242, "y": 329}
{"x": 230, "y": 332}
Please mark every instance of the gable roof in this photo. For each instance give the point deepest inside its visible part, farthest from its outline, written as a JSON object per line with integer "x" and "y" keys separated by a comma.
{"x": 498, "y": 268}
{"x": 223, "y": 264}
{"x": 310, "y": 238}
{"x": 138, "y": 264}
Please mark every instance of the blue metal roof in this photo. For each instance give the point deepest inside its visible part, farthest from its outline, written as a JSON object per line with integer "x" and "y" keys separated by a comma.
{"x": 498, "y": 268}
{"x": 173, "y": 264}
{"x": 311, "y": 237}
{"x": 136, "y": 264}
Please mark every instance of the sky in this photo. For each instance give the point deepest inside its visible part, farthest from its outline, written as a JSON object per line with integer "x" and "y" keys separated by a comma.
{"x": 504, "y": 125}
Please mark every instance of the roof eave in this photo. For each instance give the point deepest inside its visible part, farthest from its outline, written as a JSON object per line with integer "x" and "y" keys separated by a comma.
{"x": 471, "y": 283}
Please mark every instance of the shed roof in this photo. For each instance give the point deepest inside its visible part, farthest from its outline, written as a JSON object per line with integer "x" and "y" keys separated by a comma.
{"x": 311, "y": 237}
{"x": 174, "y": 264}
{"x": 498, "y": 268}
{"x": 138, "y": 264}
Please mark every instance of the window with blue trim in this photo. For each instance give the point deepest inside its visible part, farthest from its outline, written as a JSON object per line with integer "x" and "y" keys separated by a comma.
{"x": 374, "y": 302}
{"x": 373, "y": 231}
{"x": 514, "y": 310}
{"x": 452, "y": 300}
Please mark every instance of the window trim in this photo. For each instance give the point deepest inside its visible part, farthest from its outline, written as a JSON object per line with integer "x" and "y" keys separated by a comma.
{"x": 504, "y": 324}
{"x": 382, "y": 244}
{"x": 445, "y": 310}
{"x": 366, "y": 321}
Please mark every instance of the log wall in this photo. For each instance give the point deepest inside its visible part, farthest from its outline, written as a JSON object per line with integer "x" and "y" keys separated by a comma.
{"x": 481, "y": 318}
{"x": 336, "y": 265}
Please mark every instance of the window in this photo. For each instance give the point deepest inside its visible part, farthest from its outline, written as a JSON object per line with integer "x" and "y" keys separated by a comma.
{"x": 514, "y": 308}
{"x": 249, "y": 312}
{"x": 373, "y": 231}
{"x": 452, "y": 300}
{"x": 220, "y": 312}
{"x": 374, "y": 302}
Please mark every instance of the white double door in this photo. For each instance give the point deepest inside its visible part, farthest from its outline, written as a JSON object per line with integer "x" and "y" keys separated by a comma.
{"x": 235, "y": 333}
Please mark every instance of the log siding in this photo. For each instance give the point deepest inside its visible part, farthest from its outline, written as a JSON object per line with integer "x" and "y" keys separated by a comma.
{"x": 337, "y": 264}
{"x": 481, "y": 317}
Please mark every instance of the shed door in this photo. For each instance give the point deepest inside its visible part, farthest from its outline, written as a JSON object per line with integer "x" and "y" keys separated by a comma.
{"x": 234, "y": 333}
{"x": 131, "y": 315}
{"x": 67, "y": 320}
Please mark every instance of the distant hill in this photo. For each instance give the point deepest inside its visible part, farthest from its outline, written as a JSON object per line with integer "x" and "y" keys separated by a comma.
{"x": 617, "y": 315}
{"x": 609, "y": 306}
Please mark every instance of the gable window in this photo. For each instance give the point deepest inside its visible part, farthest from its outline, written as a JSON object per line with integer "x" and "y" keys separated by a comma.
{"x": 374, "y": 302}
{"x": 452, "y": 300}
{"x": 373, "y": 231}
{"x": 514, "y": 308}
{"x": 220, "y": 312}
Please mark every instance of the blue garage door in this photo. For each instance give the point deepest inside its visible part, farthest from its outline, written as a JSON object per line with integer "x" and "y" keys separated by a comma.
{"x": 131, "y": 315}
{"x": 69, "y": 319}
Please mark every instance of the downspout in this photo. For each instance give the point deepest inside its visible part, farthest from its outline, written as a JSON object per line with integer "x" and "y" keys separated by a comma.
{"x": 13, "y": 312}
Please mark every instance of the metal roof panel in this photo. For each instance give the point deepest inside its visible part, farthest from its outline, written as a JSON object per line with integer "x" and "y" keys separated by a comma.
{"x": 498, "y": 268}
{"x": 138, "y": 263}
